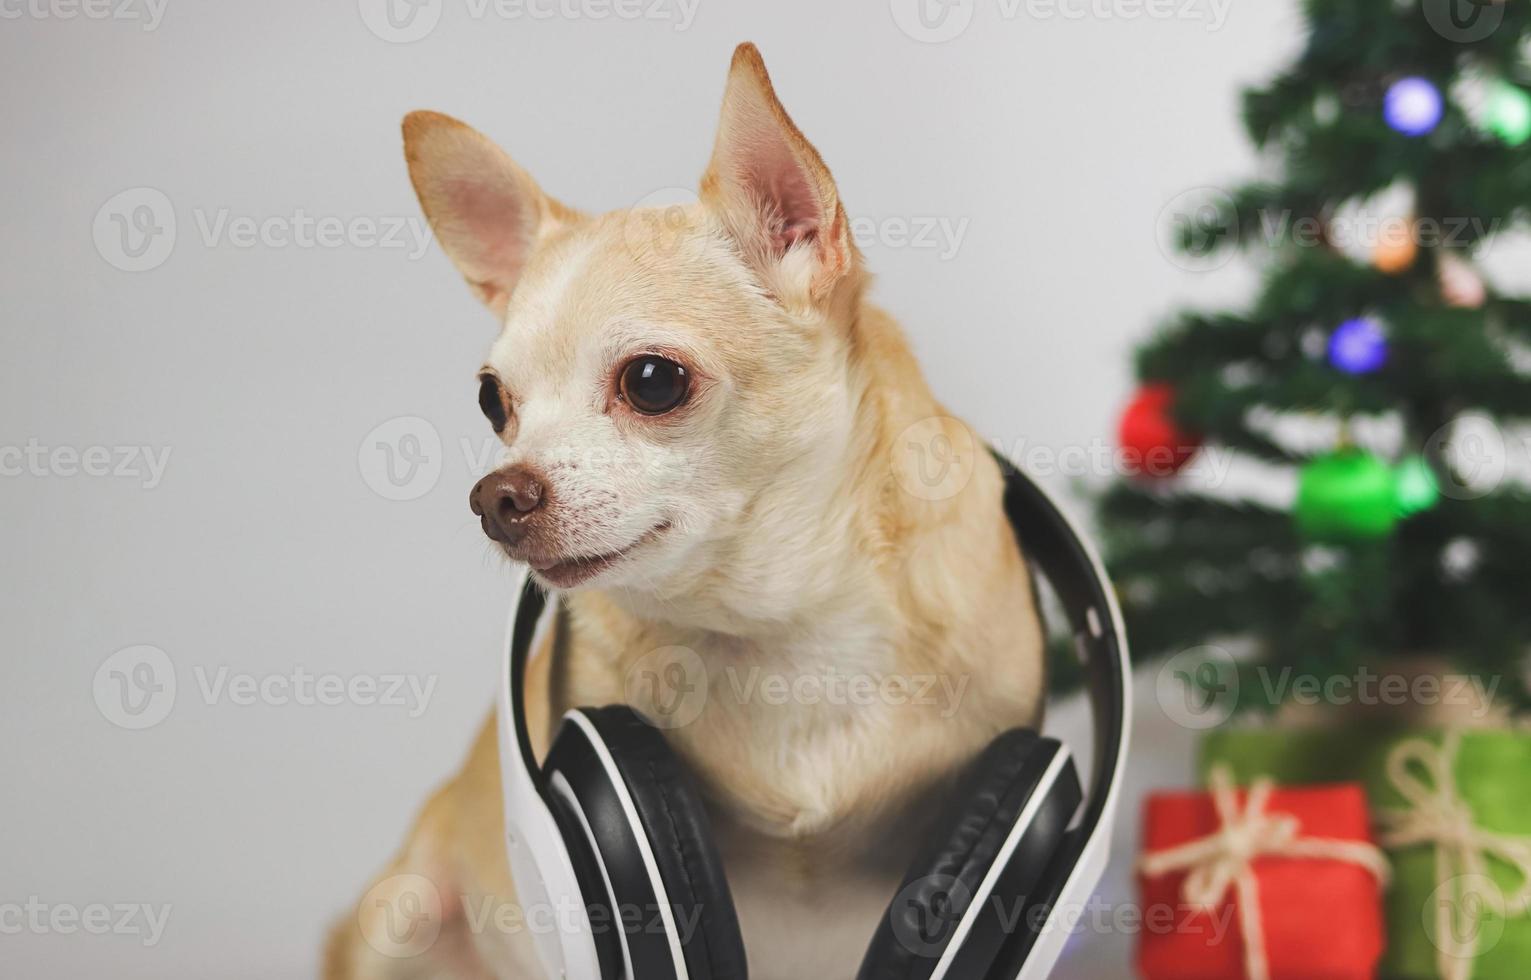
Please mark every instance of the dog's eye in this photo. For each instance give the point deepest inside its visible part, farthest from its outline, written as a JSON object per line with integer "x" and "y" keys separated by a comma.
{"x": 491, "y": 403}
{"x": 653, "y": 385}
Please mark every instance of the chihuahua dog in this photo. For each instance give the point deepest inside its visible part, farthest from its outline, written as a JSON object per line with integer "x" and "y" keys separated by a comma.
{"x": 714, "y": 443}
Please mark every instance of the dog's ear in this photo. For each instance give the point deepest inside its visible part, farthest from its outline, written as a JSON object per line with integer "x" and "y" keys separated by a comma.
{"x": 487, "y": 213}
{"x": 772, "y": 190}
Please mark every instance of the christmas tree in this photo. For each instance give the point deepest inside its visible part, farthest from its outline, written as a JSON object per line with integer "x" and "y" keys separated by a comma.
{"x": 1375, "y": 334}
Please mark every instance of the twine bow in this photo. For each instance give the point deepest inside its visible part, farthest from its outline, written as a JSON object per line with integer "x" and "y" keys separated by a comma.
{"x": 1226, "y": 858}
{"x": 1436, "y": 814}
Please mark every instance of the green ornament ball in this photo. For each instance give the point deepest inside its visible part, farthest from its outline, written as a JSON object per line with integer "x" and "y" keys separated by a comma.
{"x": 1509, "y": 113}
{"x": 1347, "y": 496}
{"x": 1417, "y": 489}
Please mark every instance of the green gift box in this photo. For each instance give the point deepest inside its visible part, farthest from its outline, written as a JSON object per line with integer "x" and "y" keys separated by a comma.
{"x": 1489, "y": 777}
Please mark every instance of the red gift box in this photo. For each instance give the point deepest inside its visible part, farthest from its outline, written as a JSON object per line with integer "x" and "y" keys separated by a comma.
{"x": 1304, "y": 854}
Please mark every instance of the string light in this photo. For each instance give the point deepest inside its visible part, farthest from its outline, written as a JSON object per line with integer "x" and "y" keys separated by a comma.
{"x": 1358, "y": 346}
{"x": 1413, "y": 106}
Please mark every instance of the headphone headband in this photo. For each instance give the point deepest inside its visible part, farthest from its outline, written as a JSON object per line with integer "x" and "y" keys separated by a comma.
{"x": 1052, "y": 542}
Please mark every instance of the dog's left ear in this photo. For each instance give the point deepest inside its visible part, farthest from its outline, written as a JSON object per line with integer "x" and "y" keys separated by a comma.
{"x": 773, "y": 191}
{"x": 487, "y": 213}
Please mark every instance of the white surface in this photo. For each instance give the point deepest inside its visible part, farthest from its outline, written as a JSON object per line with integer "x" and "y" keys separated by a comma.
{"x": 263, "y": 369}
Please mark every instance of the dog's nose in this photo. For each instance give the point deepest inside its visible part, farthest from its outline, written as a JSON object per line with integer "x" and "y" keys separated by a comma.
{"x": 505, "y": 500}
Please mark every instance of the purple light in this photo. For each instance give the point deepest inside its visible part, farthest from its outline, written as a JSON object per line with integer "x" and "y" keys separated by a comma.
{"x": 1358, "y": 346}
{"x": 1413, "y": 106}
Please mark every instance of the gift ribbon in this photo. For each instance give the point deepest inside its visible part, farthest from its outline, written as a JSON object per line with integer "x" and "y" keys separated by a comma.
{"x": 1225, "y": 859}
{"x": 1436, "y": 814}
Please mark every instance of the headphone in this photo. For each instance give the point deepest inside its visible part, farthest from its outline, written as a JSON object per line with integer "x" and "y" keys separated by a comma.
{"x": 611, "y": 852}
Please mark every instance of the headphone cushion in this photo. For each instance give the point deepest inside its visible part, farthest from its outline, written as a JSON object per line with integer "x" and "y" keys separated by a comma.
{"x": 680, "y": 835}
{"x": 965, "y": 842}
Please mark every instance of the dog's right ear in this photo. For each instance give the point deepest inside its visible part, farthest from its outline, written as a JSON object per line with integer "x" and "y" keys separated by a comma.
{"x": 773, "y": 191}
{"x": 487, "y": 213}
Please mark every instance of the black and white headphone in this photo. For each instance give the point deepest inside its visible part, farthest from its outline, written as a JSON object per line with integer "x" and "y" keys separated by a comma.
{"x": 611, "y": 823}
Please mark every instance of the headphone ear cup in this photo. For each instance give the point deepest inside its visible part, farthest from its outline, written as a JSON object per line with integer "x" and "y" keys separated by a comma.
{"x": 671, "y": 821}
{"x": 1019, "y": 775}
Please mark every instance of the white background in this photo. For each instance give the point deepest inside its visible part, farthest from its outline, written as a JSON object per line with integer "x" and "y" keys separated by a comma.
{"x": 264, "y": 549}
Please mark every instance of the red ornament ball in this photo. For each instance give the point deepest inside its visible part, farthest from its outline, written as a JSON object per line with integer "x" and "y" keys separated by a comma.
{"x": 1153, "y": 445}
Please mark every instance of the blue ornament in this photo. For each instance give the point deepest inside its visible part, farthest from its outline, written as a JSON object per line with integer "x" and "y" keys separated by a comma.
{"x": 1413, "y": 106}
{"x": 1358, "y": 346}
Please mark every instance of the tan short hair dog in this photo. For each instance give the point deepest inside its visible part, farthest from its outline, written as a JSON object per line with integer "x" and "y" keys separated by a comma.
{"x": 715, "y": 444}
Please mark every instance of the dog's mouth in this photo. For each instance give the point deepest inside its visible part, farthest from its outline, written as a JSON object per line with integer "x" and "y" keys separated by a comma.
{"x": 566, "y": 573}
